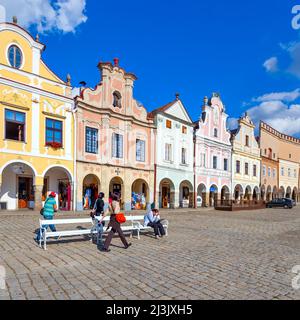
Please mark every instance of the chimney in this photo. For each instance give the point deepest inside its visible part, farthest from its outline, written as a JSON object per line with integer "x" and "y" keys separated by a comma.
{"x": 177, "y": 96}
{"x": 15, "y": 20}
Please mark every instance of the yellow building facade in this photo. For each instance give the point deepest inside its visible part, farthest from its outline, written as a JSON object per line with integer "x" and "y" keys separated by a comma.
{"x": 36, "y": 125}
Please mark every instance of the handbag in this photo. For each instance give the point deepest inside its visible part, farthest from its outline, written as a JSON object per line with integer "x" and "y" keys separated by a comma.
{"x": 120, "y": 218}
{"x": 42, "y": 210}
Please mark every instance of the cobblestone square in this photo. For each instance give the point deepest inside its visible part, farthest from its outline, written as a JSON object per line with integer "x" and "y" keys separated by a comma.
{"x": 208, "y": 255}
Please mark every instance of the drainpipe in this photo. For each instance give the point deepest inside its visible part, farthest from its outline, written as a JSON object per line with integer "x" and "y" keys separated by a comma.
{"x": 194, "y": 169}
{"x": 74, "y": 156}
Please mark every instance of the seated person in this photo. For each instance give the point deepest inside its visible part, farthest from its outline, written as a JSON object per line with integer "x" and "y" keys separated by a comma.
{"x": 152, "y": 219}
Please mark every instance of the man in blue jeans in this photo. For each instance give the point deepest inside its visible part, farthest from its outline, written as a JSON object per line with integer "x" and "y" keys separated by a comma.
{"x": 50, "y": 207}
{"x": 152, "y": 219}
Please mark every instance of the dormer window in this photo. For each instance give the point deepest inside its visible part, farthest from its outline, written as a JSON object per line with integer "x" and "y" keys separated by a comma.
{"x": 117, "y": 99}
{"x": 15, "y": 57}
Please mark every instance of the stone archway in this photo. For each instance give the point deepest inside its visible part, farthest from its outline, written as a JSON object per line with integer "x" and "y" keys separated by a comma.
{"x": 201, "y": 192}
{"x": 295, "y": 194}
{"x": 225, "y": 194}
{"x": 186, "y": 194}
{"x": 166, "y": 194}
{"x": 140, "y": 195}
{"x": 238, "y": 193}
{"x": 248, "y": 194}
{"x": 116, "y": 186}
{"x": 255, "y": 195}
{"x": 288, "y": 193}
{"x": 90, "y": 190}
{"x": 59, "y": 180}
{"x": 213, "y": 195}
{"x": 18, "y": 186}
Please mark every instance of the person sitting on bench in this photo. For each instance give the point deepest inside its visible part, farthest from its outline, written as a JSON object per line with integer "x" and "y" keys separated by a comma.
{"x": 152, "y": 219}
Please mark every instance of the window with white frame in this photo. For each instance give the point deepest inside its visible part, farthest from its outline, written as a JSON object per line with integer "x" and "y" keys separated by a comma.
{"x": 269, "y": 172}
{"x": 289, "y": 172}
{"x": 295, "y": 173}
{"x": 140, "y": 150}
{"x": 247, "y": 168}
{"x": 264, "y": 171}
{"x": 168, "y": 152}
{"x": 238, "y": 166}
{"x": 274, "y": 173}
{"x": 215, "y": 162}
{"x": 282, "y": 171}
{"x": 183, "y": 156}
{"x": 225, "y": 164}
{"x": 91, "y": 140}
{"x": 117, "y": 145}
{"x": 254, "y": 170}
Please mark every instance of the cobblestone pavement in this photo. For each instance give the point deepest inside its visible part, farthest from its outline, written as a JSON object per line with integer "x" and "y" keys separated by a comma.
{"x": 208, "y": 255}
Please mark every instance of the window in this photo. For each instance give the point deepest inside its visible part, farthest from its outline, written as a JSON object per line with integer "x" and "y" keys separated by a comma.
{"x": 225, "y": 164}
{"x": 238, "y": 167}
{"x": 295, "y": 173}
{"x": 15, "y": 56}
{"x": 215, "y": 162}
{"x": 117, "y": 99}
{"x": 168, "y": 152}
{"x": 270, "y": 153}
{"x": 203, "y": 160}
{"x": 117, "y": 145}
{"x": 91, "y": 140}
{"x": 184, "y": 130}
{"x": 274, "y": 155}
{"x": 264, "y": 171}
{"x": 269, "y": 172}
{"x": 289, "y": 172}
{"x": 274, "y": 173}
{"x": 282, "y": 171}
{"x": 183, "y": 156}
{"x": 14, "y": 125}
{"x": 140, "y": 150}
{"x": 254, "y": 170}
{"x": 290, "y": 156}
{"x": 265, "y": 151}
{"x": 246, "y": 169}
{"x": 53, "y": 132}
{"x": 247, "y": 141}
{"x": 169, "y": 124}
{"x": 216, "y": 133}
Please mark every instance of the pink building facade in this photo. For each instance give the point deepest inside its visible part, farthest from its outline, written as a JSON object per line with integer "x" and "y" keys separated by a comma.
{"x": 213, "y": 154}
{"x": 115, "y": 142}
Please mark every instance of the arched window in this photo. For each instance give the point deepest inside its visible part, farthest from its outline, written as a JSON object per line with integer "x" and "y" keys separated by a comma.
{"x": 15, "y": 56}
{"x": 117, "y": 99}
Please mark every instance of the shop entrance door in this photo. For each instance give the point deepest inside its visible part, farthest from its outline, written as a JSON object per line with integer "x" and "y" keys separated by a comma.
{"x": 25, "y": 192}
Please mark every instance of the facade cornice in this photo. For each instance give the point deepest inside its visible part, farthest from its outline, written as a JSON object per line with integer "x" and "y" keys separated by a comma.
{"x": 35, "y": 90}
{"x": 110, "y": 113}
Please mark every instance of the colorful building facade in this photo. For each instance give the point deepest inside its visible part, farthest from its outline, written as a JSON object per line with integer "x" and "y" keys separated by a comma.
{"x": 174, "y": 161}
{"x": 115, "y": 142}
{"x": 37, "y": 125}
{"x": 280, "y": 164}
{"x": 246, "y": 161}
{"x": 213, "y": 152}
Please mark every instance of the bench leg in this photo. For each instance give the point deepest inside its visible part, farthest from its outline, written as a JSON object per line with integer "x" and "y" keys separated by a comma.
{"x": 45, "y": 241}
{"x": 138, "y": 231}
{"x": 166, "y": 229}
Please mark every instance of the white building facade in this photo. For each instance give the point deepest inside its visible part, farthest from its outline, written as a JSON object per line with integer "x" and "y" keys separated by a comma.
{"x": 174, "y": 176}
{"x": 213, "y": 152}
{"x": 246, "y": 161}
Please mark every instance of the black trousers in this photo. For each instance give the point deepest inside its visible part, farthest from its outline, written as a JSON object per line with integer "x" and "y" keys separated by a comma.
{"x": 158, "y": 228}
{"x": 115, "y": 227}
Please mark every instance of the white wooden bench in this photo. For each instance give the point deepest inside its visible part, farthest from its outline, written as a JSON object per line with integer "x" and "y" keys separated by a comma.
{"x": 137, "y": 224}
{"x": 133, "y": 223}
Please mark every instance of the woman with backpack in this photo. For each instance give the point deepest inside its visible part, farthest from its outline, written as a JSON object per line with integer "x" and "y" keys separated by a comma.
{"x": 98, "y": 211}
{"x": 114, "y": 209}
{"x": 50, "y": 207}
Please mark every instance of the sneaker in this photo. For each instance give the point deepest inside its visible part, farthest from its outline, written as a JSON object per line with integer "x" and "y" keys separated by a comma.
{"x": 105, "y": 250}
{"x": 156, "y": 237}
{"x": 129, "y": 244}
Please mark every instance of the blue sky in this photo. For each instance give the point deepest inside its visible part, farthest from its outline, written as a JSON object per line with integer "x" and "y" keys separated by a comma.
{"x": 193, "y": 47}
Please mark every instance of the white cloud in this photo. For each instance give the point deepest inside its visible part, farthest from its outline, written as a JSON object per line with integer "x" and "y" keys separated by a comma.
{"x": 278, "y": 114}
{"x": 47, "y": 15}
{"x": 232, "y": 123}
{"x": 279, "y": 96}
{"x": 271, "y": 65}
